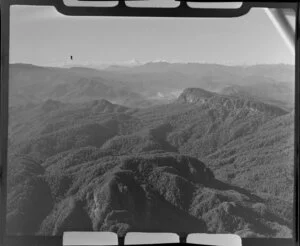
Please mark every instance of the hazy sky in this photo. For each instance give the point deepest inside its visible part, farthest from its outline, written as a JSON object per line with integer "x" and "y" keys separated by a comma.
{"x": 40, "y": 35}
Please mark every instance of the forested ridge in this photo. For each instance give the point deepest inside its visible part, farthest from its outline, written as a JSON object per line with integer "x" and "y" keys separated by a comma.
{"x": 204, "y": 161}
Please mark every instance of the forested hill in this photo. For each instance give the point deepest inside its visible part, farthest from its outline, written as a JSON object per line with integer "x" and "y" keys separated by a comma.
{"x": 206, "y": 161}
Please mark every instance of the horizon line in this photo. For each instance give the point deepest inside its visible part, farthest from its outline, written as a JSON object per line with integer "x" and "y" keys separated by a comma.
{"x": 128, "y": 65}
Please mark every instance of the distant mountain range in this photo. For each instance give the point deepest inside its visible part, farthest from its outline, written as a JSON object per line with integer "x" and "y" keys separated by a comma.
{"x": 93, "y": 150}
{"x": 151, "y": 83}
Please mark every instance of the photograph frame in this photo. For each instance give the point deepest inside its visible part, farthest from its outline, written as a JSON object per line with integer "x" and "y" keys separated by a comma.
{"x": 120, "y": 10}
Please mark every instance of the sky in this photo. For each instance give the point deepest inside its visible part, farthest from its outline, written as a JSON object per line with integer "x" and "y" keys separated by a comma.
{"x": 42, "y": 36}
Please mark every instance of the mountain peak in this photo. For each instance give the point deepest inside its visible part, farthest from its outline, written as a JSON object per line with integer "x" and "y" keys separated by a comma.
{"x": 102, "y": 102}
{"x": 230, "y": 90}
{"x": 232, "y": 103}
{"x": 104, "y": 106}
{"x": 195, "y": 95}
{"x": 50, "y": 105}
